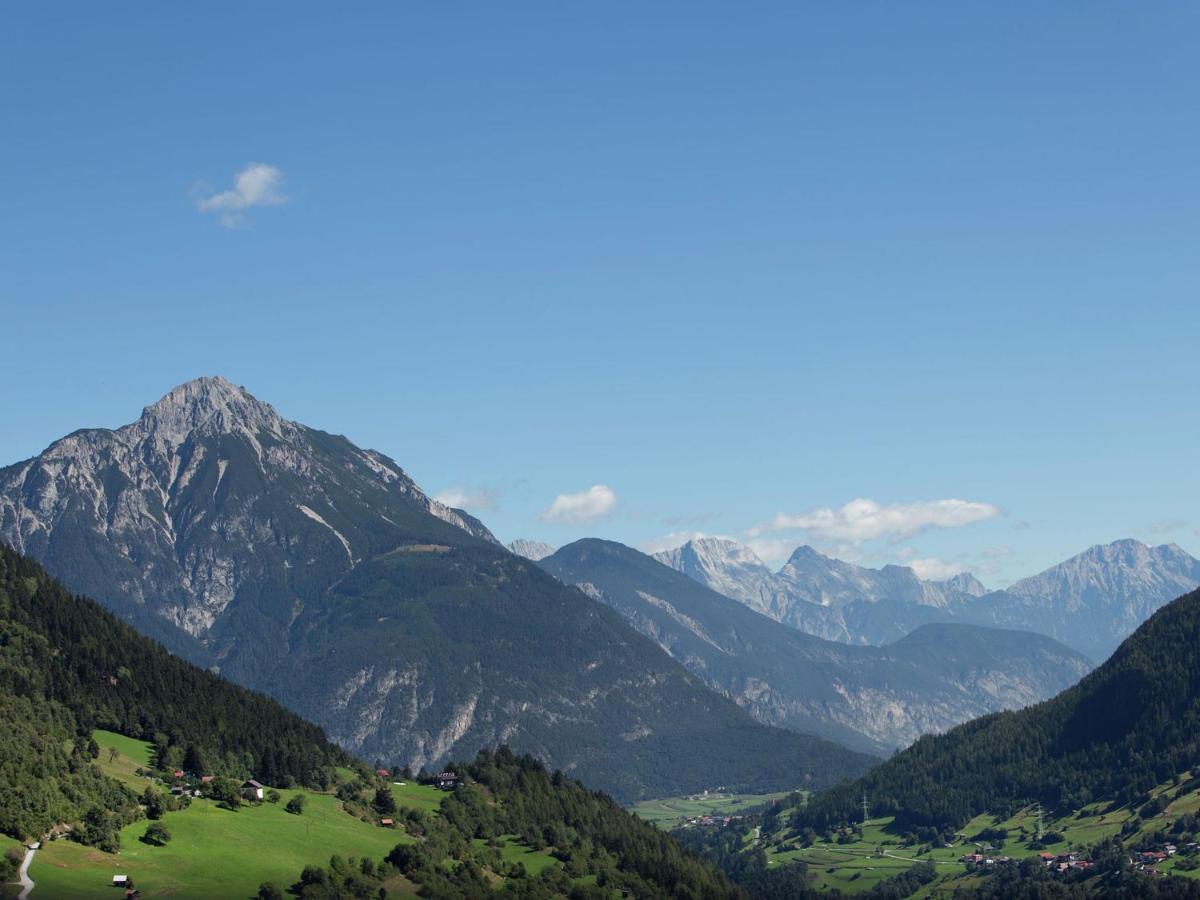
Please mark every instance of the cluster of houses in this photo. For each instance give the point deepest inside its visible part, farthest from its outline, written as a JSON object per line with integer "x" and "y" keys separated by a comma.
{"x": 1064, "y": 862}
{"x": 1148, "y": 860}
{"x": 718, "y": 821}
{"x": 1059, "y": 862}
{"x": 194, "y": 786}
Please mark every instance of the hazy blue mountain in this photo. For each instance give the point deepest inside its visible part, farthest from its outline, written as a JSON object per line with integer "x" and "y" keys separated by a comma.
{"x": 1094, "y": 600}
{"x": 875, "y": 698}
{"x": 820, "y": 595}
{"x": 1089, "y": 602}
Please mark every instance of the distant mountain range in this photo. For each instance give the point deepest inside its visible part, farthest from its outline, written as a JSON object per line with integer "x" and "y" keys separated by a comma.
{"x": 820, "y": 595}
{"x": 1090, "y": 602}
{"x": 1094, "y": 600}
{"x": 301, "y": 565}
{"x": 872, "y": 698}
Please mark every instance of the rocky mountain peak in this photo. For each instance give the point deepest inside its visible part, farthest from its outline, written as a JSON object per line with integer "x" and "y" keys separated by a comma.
{"x": 965, "y": 583}
{"x": 211, "y": 404}
{"x": 531, "y": 550}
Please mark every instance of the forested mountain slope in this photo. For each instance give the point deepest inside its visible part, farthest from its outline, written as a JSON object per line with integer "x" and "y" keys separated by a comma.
{"x": 1131, "y": 724}
{"x": 68, "y": 666}
{"x": 875, "y": 698}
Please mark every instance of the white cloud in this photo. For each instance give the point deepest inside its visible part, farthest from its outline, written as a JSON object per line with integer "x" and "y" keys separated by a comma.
{"x": 865, "y": 520}
{"x": 463, "y": 498}
{"x": 597, "y": 501}
{"x": 258, "y": 184}
{"x": 934, "y": 569}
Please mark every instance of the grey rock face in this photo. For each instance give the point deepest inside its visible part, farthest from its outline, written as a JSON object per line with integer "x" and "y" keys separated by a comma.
{"x": 820, "y": 595}
{"x": 531, "y": 550}
{"x": 208, "y": 497}
{"x": 1095, "y": 600}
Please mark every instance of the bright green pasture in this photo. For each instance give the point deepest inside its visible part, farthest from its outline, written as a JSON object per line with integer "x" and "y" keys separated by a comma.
{"x": 667, "y": 812}
{"x": 418, "y": 796}
{"x": 132, "y": 755}
{"x": 215, "y": 852}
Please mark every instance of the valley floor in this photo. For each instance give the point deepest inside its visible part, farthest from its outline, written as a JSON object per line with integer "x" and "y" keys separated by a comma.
{"x": 672, "y": 812}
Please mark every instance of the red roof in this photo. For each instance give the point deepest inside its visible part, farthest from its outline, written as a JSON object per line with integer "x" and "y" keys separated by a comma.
{"x": 178, "y": 773}
{"x": 382, "y": 773}
{"x": 386, "y": 823}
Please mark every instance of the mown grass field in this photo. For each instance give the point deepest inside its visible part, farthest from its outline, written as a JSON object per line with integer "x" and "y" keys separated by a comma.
{"x": 417, "y": 796}
{"x": 213, "y": 852}
{"x": 514, "y": 851}
{"x": 131, "y": 755}
{"x": 879, "y": 853}
{"x": 666, "y": 813}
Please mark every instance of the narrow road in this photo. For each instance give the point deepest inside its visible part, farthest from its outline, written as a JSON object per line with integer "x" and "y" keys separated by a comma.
{"x": 26, "y": 881}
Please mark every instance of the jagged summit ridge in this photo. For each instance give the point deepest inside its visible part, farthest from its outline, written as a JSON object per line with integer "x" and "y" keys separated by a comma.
{"x": 208, "y": 491}
{"x": 211, "y": 403}
{"x": 1090, "y": 602}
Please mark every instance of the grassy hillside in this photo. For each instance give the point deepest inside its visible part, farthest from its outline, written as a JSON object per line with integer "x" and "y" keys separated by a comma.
{"x": 511, "y": 826}
{"x": 215, "y": 852}
{"x": 854, "y": 861}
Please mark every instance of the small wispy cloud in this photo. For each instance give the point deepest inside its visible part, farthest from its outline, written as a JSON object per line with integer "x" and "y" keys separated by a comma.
{"x": 466, "y": 498}
{"x": 596, "y": 502}
{"x": 258, "y": 184}
{"x": 865, "y": 520}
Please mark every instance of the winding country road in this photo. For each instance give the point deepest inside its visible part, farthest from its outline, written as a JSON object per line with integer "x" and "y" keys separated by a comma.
{"x": 26, "y": 881}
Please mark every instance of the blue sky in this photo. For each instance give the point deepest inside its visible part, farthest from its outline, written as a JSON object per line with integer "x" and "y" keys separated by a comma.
{"x": 735, "y": 263}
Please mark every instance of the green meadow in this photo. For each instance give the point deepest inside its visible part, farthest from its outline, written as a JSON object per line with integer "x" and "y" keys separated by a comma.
{"x": 514, "y": 851}
{"x": 213, "y": 852}
{"x": 667, "y": 812}
{"x": 216, "y": 852}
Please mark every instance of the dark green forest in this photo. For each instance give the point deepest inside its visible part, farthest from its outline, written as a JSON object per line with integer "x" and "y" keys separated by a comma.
{"x": 1131, "y": 724}
{"x": 602, "y": 848}
{"x": 67, "y": 667}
